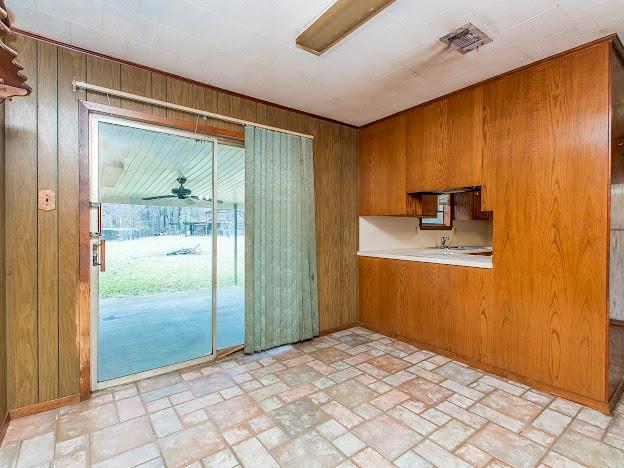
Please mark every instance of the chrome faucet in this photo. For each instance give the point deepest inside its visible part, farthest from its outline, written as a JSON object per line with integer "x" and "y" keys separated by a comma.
{"x": 444, "y": 242}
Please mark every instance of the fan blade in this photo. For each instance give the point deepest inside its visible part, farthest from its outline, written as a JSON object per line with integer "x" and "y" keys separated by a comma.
{"x": 159, "y": 197}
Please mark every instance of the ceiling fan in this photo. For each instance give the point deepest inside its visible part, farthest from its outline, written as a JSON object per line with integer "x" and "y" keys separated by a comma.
{"x": 181, "y": 193}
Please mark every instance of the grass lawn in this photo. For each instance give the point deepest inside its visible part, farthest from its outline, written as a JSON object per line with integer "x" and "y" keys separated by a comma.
{"x": 139, "y": 267}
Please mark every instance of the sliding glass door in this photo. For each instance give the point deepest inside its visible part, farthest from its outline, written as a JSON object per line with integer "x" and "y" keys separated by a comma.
{"x": 170, "y": 253}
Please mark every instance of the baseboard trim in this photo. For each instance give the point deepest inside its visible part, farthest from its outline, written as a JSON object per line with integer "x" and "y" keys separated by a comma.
{"x": 42, "y": 407}
{"x": 603, "y": 407}
{"x": 616, "y": 396}
{"x": 4, "y": 425}
{"x": 329, "y": 331}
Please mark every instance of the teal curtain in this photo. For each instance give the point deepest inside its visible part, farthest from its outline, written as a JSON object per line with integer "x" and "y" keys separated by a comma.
{"x": 281, "y": 295}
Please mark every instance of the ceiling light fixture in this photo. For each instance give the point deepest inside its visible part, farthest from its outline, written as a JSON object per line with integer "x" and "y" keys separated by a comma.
{"x": 342, "y": 18}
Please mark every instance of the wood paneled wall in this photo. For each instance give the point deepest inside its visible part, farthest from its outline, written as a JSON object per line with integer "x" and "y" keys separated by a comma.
{"x": 3, "y": 347}
{"x": 42, "y": 247}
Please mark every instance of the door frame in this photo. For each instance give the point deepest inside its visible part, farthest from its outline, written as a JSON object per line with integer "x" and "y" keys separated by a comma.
{"x": 83, "y": 322}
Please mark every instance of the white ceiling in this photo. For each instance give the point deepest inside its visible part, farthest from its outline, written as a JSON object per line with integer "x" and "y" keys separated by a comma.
{"x": 393, "y": 62}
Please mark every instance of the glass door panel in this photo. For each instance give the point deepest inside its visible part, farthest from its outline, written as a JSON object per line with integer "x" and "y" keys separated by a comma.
{"x": 155, "y": 294}
{"x": 230, "y": 246}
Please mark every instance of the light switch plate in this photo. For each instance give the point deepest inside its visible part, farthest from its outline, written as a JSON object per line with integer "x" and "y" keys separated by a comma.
{"x": 46, "y": 200}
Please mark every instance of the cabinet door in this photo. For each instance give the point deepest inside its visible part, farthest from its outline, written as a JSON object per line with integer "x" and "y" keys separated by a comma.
{"x": 381, "y": 168}
{"x": 379, "y": 298}
{"x": 444, "y": 143}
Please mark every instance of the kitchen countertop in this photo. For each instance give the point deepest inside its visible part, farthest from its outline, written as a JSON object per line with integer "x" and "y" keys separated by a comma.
{"x": 451, "y": 256}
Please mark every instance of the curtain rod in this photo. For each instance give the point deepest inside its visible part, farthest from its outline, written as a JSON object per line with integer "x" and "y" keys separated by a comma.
{"x": 76, "y": 85}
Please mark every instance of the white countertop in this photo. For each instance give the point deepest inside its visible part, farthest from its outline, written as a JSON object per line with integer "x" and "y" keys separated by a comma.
{"x": 435, "y": 255}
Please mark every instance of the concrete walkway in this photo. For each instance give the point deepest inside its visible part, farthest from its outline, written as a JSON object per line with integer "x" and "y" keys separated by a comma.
{"x": 147, "y": 332}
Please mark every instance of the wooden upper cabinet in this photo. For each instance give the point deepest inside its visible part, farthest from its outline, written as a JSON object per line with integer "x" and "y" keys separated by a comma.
{"x": 381, "y": 168}
{"x": 444, "y": 143}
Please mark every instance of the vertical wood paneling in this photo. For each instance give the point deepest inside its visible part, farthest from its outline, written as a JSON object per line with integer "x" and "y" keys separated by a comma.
{"x": 349, "y": 224}
{"x": 4, "y": 384}
{"x": 47, "y": 224}
{"x": 159, "y": 91}
{"x": 43, "y": 292}
{"x": 136, "y": 81}
{"x": 70, "y": 65}
{"x": 235, "y": 106}
{"x": 105, "y": 73}
{"x": 21, "y": 238}
{"x": 185, "y": 94}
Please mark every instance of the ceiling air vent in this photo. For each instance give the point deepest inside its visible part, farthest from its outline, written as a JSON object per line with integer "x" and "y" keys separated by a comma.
{"x": 466, "y": 38}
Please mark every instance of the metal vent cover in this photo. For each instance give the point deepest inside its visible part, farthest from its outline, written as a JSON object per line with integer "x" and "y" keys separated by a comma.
{"x": 466, "y": 38}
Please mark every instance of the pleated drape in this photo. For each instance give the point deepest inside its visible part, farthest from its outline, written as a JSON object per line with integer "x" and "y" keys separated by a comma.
{"x": 281, "y": 294}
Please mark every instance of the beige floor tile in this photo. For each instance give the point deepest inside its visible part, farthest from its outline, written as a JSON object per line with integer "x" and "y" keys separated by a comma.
{"x": 566, "y": 407}
{"x": 452, "y": 435}
{"x": 309, "y": 450}
{"x": 552, "y": 422}
{"x": 349, "y": 444}
{"x": 331, "y": 429}
{"x": 31, "y": 426}
{"x": 460, "y": 374}
{"x": 298, "y": 417}
{"x": 412, "y": 460}
{"x": 350, "y": 393}
{"x": 130, "y": 408}
{"x": 165, "y": 422}
{"x": 253, "y": 455}
{"x": 508, "y": 446}
{"x": 38, "y": 451}
{"x": 369, "y": 458}
{"x": 497, "y": 417}
{"x": 375, "y": 433}
{"x": 511, "y": 405}
{"x": 425, "y": 391}
{"x": 390, "y": 400}
{"x": 190, "y": 445}
{"x": 554, "y": 460}
{"x": 329, "y": 355}
{"x": 88, "y": 420}
{"x": 342, "y": 414}
{"x": 133, "y": 457}
{"x": 211, "y": 383}
{"x": 161, "y": 381}
{"x": 389, "y": 364}
{"x": 473, "y": 455}
{"x": 232, "y": 412}
{"x": 412, "y": 420}
{"x": 223, "y": 459}
{"x": 273, "y": 437}
{"x": 438, "y": 456}
{"x": 298, "y": 375}
{"x": 111, "y": 441}
{"x": 588, "y": 451}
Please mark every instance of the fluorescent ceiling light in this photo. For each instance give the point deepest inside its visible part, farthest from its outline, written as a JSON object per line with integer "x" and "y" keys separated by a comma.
{"x": 337, "y": 22}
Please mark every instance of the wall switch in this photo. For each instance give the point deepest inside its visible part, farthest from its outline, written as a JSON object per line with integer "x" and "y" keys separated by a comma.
{"x": 46, "y": 200}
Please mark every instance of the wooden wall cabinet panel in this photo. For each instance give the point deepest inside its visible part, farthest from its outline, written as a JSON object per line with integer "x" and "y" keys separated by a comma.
{"x": 381, "y": 168}
{"x": 547, "y": 151}
{"x": 444, "y": 143}
{"x": 467, "y": 206}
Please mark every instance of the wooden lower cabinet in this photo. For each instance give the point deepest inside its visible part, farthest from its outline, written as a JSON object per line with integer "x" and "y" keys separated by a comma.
{"x": 439, "y": 305}
{"x": 453, "y": 310}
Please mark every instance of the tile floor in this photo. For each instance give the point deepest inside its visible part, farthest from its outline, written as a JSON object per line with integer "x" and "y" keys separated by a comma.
{"x": 349, "y": 399}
